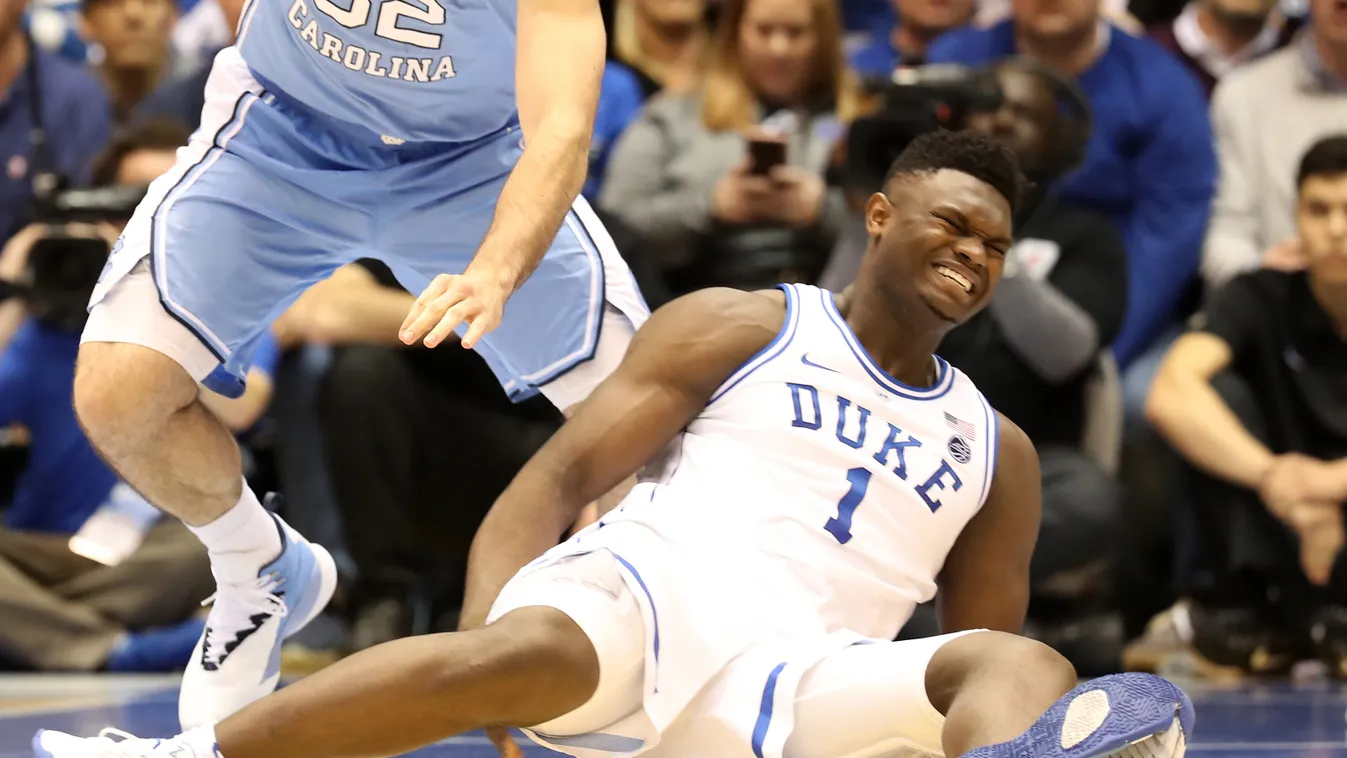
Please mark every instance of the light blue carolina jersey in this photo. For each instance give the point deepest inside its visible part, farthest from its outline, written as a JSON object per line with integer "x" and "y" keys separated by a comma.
{"x": 413, "y": 70}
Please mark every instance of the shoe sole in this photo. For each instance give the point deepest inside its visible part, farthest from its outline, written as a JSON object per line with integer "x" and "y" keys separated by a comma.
{"x": 1117, "y": 716}
{"x": 1122, "y": 716}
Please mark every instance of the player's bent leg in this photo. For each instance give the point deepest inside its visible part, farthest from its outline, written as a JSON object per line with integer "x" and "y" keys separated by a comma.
{"x": 128, "y": 398}
{"x": 991, "y": 686}
{"x": 563, "y": 655}
{"x": 136, "y": 394}
{"x": 1005, "y": 696}
{"x": 984, "y": 694}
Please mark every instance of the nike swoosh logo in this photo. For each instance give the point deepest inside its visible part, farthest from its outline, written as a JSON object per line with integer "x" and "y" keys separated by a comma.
{"x": 805, "y": 360}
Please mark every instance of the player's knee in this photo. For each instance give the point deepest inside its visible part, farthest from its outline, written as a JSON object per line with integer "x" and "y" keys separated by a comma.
{"x": 125, "y": 392}
{"x": 546, "y": 657}
{"x": 985, "y": 659}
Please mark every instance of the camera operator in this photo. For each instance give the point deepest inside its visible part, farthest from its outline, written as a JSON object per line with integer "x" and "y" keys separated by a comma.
{"x": 90, "y": 577}
{"x": 1060, "y": 302}
{"x": 54, "y": 119}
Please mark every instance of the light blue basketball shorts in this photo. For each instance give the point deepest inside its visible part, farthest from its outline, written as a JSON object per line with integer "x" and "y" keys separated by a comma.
{"x": 268, "y": 199}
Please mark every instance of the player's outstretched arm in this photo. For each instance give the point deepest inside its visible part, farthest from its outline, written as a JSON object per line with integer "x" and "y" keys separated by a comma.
{"x": 677, "y": 360}
{"x": 985, "y": 581}
{"x": 559, "y": 56}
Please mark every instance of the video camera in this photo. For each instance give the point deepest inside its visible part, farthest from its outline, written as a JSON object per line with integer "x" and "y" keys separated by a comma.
{"x": 912, "y": 102}
{"x": 64, "y": 264}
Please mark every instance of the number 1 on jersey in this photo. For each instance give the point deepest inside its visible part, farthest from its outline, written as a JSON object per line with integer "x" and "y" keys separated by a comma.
{"x": 840, "y": 526}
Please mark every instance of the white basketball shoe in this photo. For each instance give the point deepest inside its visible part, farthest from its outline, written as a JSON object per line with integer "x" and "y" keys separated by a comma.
{"x": 238, "y": 659}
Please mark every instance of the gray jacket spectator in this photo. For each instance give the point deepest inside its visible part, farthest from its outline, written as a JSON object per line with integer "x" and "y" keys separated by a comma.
{"x": 1265, "y": 116}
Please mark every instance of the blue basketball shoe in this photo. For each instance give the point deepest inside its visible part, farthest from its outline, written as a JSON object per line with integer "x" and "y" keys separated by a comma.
{"x": 238, "y": 659}
{"x": 1117, "y": 716}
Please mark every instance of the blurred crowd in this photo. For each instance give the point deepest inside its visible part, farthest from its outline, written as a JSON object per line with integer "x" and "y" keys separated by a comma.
{"x": 1171, "y": 328}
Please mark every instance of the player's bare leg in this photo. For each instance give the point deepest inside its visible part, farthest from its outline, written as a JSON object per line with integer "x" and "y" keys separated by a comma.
{"x": 991, "y": 687}
{"x": 529, "y": 667}
{"x": 140, "y": 409}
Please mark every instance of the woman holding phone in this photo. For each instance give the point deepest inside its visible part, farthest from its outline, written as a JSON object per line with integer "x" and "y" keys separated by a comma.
{"x": 725, "y": 184}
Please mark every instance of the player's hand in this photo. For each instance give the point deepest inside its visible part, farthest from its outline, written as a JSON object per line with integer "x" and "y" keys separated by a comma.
{"x": 475, "y": 298}
{"x": 799, "y": 196}
{"x": 740, "y": 197}
{"x": 505, "y": 744}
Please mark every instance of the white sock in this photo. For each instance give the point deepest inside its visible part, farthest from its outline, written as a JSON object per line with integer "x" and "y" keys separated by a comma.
{"x": 241, "y": 541}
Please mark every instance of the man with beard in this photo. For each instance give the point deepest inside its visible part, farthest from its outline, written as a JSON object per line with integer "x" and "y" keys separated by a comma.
{"x": 1213, "y": 37}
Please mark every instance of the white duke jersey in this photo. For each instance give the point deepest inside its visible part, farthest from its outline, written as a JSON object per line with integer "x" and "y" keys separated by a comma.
{"x": 810, "y": 506}
{"x": 823, "y": 478}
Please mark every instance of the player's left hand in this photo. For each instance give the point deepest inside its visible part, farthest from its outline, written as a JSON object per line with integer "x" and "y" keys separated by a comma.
{"x": 475, "y": 298}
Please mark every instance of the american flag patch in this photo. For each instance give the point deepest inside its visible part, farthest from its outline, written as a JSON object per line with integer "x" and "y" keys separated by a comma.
{"x": 962, "y": 427}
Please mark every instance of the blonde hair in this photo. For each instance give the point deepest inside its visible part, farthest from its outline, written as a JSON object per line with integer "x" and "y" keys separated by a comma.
{"x": 728, "y": 102}
{"x": 627, "y": 43}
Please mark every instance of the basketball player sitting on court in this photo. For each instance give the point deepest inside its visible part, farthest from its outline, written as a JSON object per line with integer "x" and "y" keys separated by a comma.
{"x": 820, "y": 473}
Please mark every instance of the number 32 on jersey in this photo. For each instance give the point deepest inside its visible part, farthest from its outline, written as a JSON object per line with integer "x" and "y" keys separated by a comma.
{"x": 388, "y": 25}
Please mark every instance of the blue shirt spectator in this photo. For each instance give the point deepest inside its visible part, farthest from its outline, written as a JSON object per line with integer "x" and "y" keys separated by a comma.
{"x": 77, "y": 119}
{"x": 1150, "y": 165}
{"x": 914, "y": 25}
{"x": 64, "y": 480}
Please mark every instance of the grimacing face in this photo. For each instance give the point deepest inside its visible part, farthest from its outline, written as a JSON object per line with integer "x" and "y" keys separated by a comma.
{"x": 1321, "y": 222}
{"x": 943, "y": 238}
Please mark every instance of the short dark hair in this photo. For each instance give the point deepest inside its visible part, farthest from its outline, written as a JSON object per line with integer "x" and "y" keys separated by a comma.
{"x": 979, "y": 156}
{"x": 1327, "y": 157}
{"x": 149, "y": 134}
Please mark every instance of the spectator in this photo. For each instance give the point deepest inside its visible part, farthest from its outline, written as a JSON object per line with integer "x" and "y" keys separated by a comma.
{"x": 920, "y": 22}
{"x": 1255, "y": 400}
{"x": 655, "y": 44}
{"x": 1150, "y": 165}
{"x": 182, "y": 97}
{"x": 54, "y": 118}
{"x": 80, "y": 589}
{"x": 420, "y": 442}
{"x": 1065, "y": 277}
{"x": 1213, "y": 37}
{"x": 680, "y": 177}
{"x": 135, "y": 44}
{"x": 1265, "y": 116}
